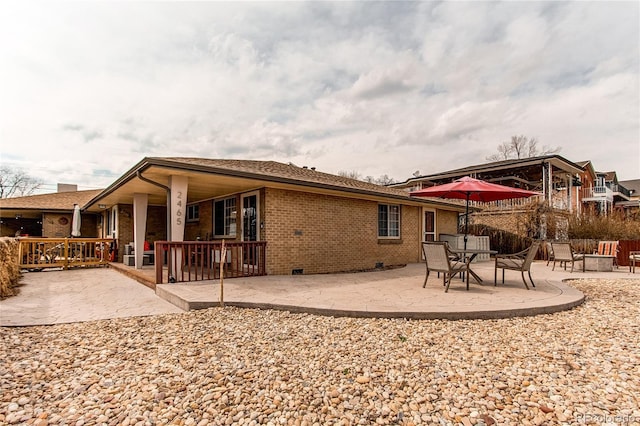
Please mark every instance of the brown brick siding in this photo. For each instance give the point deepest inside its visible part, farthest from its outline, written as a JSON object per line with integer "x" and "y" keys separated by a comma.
{"x": 156, "y": 224}
{"x": 518, "y": 223}
{"x": 125, "y": 227}
{"x": 512, "y": 222}
{"x": 322, "y": 233}
{"x": 446, "y": 222}
{"x": 313, "y": 232}
{"x": 203, "y": 227}
{"x": 52, "y": 226}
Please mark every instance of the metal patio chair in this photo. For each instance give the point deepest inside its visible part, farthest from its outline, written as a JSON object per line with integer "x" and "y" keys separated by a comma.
{"x": 563, "y": 252}
{"x": 634, "y": 258}
{"x": 520, "y": 261}
{"x": 438, "y": 258}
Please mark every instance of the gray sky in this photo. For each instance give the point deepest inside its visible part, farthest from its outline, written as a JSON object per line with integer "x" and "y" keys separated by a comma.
{"x": 89, "y": 89}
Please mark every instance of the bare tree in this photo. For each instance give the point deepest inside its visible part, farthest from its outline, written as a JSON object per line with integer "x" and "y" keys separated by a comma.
{"x": 521, "y": 147}
{"x": 382, "y": 180}
{"x": 385, "y": 180}
{"x": 351, "y": 175}
{"x": 16, "y": 183}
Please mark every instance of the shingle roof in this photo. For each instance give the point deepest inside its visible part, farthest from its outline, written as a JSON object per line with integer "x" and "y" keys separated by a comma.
{"x": 284, "y": 171}
{"x": 506, "y": 164}
{"x": 55, "y": 201}
{"x": 633, "y": 185}
{"x": 263, "y": 171}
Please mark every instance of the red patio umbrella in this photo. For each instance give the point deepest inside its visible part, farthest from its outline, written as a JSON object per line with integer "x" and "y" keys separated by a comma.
{"x": 470, "y": 189}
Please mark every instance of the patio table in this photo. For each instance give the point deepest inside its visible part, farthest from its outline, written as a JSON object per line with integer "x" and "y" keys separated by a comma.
{"x": 468, "y": 255}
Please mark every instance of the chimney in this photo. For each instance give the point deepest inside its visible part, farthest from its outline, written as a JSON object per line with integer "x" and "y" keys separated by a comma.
{"x": 67, "y": 187}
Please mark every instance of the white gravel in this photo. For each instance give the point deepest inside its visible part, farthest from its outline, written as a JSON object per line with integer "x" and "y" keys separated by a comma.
{"x": 244, "y": 366}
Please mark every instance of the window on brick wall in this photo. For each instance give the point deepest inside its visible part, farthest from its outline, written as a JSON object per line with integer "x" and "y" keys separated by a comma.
{"x": 224, "y": 217}
{"x": 388, "y": 221}
{"x": 193, "y": 213}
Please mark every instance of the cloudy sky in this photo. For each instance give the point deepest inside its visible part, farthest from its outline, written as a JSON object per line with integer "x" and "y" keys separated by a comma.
{"x": 88, "y": 89}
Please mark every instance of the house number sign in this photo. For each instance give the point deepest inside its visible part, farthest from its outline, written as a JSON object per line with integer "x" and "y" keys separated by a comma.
{"x": 179, "y": 209}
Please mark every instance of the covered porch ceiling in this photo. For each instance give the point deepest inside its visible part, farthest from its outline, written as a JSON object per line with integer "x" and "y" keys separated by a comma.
{"x": 202, "y": 186}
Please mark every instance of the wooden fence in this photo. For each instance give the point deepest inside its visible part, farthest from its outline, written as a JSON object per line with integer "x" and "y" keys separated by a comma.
{"x": 184, "y": 261}
{"x": 506, "y": 242}
{"x": 38, "y": 253}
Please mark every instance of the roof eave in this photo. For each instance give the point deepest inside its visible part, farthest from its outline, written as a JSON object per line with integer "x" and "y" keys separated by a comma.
{"x": 148, "y": 162}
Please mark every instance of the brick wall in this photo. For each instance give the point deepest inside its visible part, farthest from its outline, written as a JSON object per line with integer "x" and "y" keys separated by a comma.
{"x": 88, "y": 226}
{"x": 125, "y": 227}
{"x": 554, "y": 226}
{"x": 56, "y": 225}
{"x": 156, "y": 224}
{"x": 446, "y": 222}
{"x": 322, "y": 233}
{"x": 203, "y": 227}
{"x": 313, "y": 232}
{"x": 513, "y": 222}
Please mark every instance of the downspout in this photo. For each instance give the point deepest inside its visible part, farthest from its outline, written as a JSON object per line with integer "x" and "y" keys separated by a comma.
{"x": 166, "y": 188}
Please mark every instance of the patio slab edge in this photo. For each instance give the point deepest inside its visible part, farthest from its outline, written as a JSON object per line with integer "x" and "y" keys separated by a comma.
{"x": 569, "y": 301}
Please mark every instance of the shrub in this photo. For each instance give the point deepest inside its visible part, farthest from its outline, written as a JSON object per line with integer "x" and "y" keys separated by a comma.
{"x": 614, "y": 226}
{"x": 9, "y": 269}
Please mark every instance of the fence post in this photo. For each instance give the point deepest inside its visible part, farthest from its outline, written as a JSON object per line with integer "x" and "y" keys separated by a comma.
{"x": 223, "y": 259}
{"x": 65, "y": 253}
{"x": 158, "y": 261}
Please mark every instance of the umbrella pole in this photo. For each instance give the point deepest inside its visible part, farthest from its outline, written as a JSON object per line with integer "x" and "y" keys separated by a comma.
{"x": 466, "y": 223}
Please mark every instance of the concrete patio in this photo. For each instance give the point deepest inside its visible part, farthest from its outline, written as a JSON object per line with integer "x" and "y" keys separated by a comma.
{"x": 91, "y": 294}
{"x": 395, "y": 293}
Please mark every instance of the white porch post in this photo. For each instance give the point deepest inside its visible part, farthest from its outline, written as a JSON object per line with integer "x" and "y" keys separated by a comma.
{"x": 179, "y": 186}
{"x": 550, "y": 185}
{"x": 545, "y": 182}
{"x": 570, "y": 193}
{"x": 140, "y": 203}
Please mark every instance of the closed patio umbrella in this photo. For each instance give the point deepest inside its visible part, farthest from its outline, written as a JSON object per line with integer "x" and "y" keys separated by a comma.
{"x": 470, "y": 189}
{"x": 75, "y": 222}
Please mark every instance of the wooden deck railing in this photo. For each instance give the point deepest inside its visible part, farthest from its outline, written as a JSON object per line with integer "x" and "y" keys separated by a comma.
{"x": 184, "y": 261}
{"x": 510, "y": 204}
{"x": 39, "y": 253}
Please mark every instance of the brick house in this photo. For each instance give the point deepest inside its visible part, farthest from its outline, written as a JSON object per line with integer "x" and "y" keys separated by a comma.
{"x": 312, "y": 222}
{"x": 47, "y": 215}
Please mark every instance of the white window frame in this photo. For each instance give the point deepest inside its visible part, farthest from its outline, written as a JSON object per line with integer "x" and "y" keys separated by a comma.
{"x": 111, "y": 223}
{"x": 230, "y": 229}
{"x": 435, "y": 224}
{"x": 390, "y": 221}
{"x": 191, "y": 208}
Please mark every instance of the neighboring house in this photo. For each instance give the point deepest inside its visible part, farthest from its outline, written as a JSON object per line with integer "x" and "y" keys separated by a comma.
{"x": 312, "y": 222}
{"x": 633, "y": 205}
{"x": 587, "y": 180}
{"x": 565, "y": 185}
{"x": 555, "y": 177}
{"x": 47, "y": 215}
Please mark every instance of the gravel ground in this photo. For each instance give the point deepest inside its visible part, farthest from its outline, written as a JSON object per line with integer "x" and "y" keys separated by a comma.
{"x": 244, "y": 366}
